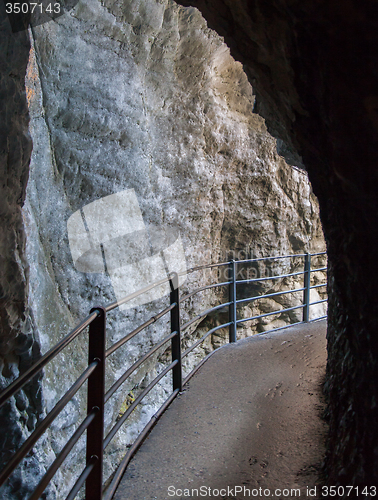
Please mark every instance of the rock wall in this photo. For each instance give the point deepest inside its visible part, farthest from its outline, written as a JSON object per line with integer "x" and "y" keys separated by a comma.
{"x": 19, "y": 346}
{"x": 143, "y": 96}
{"x": 313, "y": 65}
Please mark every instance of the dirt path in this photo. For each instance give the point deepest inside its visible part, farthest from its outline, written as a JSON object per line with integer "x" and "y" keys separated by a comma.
{"x": 250, "y": 418}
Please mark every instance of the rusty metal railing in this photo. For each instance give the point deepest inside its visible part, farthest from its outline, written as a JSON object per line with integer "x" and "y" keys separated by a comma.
{"x": 92, "y": 473}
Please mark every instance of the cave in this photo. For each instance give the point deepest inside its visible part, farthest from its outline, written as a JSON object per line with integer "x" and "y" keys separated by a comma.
{"x": 312, "y": 66}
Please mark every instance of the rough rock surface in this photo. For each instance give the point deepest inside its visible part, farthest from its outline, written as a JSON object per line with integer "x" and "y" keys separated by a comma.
{"x": 314, "y": 66}
{"x": 142, "y": 95}
{"x": 18, "y": 344}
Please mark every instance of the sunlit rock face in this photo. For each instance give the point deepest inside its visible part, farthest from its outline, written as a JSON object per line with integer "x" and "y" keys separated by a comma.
{"x": 313, "y": 68}
{"x": 146, "y": 150}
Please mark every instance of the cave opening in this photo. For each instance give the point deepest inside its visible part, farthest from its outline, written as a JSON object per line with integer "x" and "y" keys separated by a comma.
{"x": 298, "y": 59}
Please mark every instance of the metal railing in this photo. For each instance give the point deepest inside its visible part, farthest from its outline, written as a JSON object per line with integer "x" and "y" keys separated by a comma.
{"x": 92, "y": 474}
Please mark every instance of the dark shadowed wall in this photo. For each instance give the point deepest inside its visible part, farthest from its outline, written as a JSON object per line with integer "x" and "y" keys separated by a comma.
{"x": 18, "y": 348}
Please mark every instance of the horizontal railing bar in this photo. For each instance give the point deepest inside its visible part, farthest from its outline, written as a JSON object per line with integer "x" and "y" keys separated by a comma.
{"x": 319, "y": 253}
{"x": 317, "y": 319}
{"x": 63, "y": 455}
{"x": 197, "y": 367}
{"x": 319, "y": 269}
{"x": 214, "y": 285}
{"x": 271, "y": 258}
{"x": 132, "y": 407}
{"x": 130, "y": 335}
{"x": 206, "y": 266}
{"x": 133, "y": 367}
{"x": 239, "y": 301}
{"x": 317, "y": 302}
{"x": 46, "y": 358}
{"x": 270, "y": 314}
{"x": 188, "y": 323}
{"x": 279, "y": 328}
{"x": 199, "y": 341}
{"x": 43, "y": 426}
{"x": 133, "y": 295}
{"x": 129, "y": 455}
{"x": 318, "y": 286}
{"x": 270, "y": 277}
{"x": 82, "y": 478}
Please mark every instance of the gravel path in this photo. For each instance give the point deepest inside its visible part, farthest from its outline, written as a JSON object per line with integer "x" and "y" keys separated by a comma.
{"x": 249, "y": 419}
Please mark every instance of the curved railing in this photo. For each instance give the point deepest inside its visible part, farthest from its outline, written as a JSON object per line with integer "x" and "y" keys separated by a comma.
{"x": 96, "y": 442}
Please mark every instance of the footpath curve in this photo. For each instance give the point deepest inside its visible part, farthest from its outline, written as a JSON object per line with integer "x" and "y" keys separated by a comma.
{"x": 250, "y": 419}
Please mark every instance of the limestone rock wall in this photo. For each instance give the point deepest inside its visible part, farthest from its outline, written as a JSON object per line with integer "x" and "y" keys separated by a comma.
{"x": 142, "y": 96}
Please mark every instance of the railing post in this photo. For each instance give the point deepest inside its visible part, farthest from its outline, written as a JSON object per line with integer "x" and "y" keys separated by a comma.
{"x": 232, "y": 299}
{"x": 175, "y": 327}
{"x": 306, "y": 285}
{"x": 96, "y": 391}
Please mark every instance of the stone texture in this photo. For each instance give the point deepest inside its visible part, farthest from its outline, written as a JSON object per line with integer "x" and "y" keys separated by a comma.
{"x": 18, "y": 345}
{"x": 313, "y": 67}
{"x": 143, "y": 96}
{"x": 139, "y": 95}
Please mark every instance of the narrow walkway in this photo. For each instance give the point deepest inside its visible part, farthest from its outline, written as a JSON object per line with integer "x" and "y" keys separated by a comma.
{"x": 250, "y": 418}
